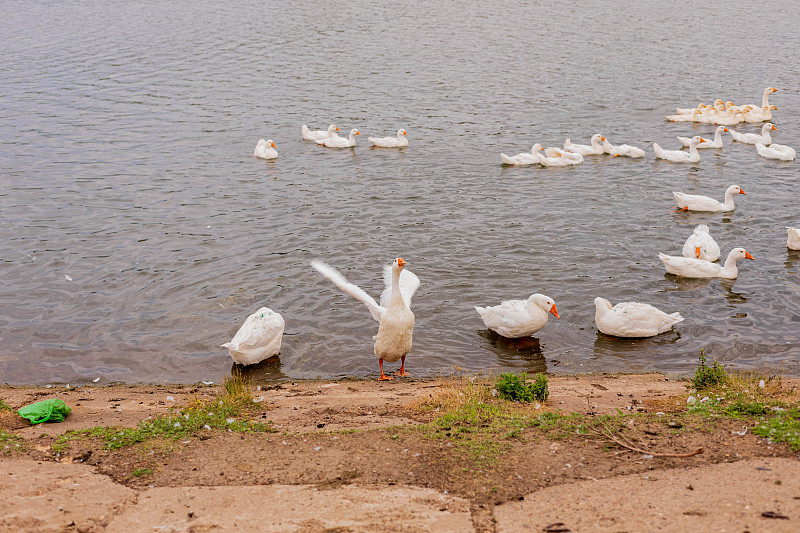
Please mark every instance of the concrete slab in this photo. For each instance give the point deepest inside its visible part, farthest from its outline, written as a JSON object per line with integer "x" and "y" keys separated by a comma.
{"x": 721, "y": 497}
{"x": 294, "y": 508}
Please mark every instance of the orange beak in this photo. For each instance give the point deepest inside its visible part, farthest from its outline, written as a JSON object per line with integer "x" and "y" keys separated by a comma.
{"x": 357, "y": 133}
{"x": 273, "y": 145}
{"x": 773, "y": 107}
{"x": 748, "y": 256}
{"x": 554, "y": 311}
{"x": 741, "y": 191}
{"x": 337, "y": 129}
{"x": 774, "y": 128}
{"x": 774, "y": 90}
{"x": 702, "y": 140}
{"x": 404, "y": 132}
{"x": 697, "y": 252}
{"x": 602, "y": 139}
{"x": 401, "y": 262}
{"x": 725, "y": 129}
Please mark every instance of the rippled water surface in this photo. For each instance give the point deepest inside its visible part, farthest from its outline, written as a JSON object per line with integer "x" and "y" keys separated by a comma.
{"x": 137, "y": 232}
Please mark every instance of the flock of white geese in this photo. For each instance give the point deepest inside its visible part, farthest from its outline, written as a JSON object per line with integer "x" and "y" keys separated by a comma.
{"x": 260, "y": 336}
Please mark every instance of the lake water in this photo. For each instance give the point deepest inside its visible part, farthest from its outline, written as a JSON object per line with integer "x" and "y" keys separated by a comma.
{"x": 137, "y": 232}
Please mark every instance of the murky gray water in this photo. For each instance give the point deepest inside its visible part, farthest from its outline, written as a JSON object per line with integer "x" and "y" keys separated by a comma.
{"x": 126, "y": 130}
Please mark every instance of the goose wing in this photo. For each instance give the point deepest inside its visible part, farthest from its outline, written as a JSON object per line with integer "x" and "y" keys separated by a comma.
{"x": 353, "y": 290}
{"x": 409, "y": 283}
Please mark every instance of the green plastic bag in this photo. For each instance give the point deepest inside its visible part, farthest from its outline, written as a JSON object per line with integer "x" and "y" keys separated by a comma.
{"x": 45, "y": 411}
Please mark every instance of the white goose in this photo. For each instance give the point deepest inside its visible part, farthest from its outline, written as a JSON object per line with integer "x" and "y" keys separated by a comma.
{"x": 700, "y": 245}
{"x": 515, "y": 319}
{"x": 391, "y": 142}
{"x": 334, "y": 141}
{"x": 318, "y": 135}
{"x": 622, "y": 150}
{"x": 265, "y": 150}
{"x": 752, "y": 138}
{"x": 396, "y": 320}
{"x": 793, "y": 239}
{"x": 584, "y": 149}
{"x": 679, "y": 156}
{"x": 764, "y": 98}
{"x": 699, "y": 268}
{"x": 534, "y": 157}
{"x": 776, "y": 151}
{"x": 754, "y": 114}
{"x": 696, "y": 115}
{"x": 698, "y": 202}
{"x": 556, "y": 157}
{"x": 689, "y": 110}
{"x": 259, "y": 338}
{"x": 716, "y": 143}
{"x": 631, "y": 319}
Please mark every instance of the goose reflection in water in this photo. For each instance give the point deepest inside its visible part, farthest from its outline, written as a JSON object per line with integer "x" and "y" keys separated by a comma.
{"x": 608, "y": 345}
{"x": 732, "y": 297}
{"x": 792, "y": 259}
{"x": 686, "y": 284}
{"x": 266, "y": 371}
{"x": 511, "y": 351}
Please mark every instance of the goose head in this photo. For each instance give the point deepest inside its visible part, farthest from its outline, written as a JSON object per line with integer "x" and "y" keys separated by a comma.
{"x": 400, "y": 133}
{"x": 696, "y": 140}
{"x": 738, "y": 254}
{"x": 734, "y": 189}
{"x": 536, "y": 148}
{"x": 768, "y": 127}
{"x": 545, "y": 302}
{"x": 354, "y": 132}
{"x": 602, "y": 305}
{"x": 331, "y": 129}
{"x": 596, "y": 138}
{"x": 770, "y": 90}
{"x": 270, "y": 143}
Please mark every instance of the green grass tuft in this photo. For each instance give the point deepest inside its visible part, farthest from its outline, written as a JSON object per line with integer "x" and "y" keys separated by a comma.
{"x": 142, "y": 472}
{"x": 784, "y": 427}
{"x": 4, "y": 406}
{"x": 707, "y": 376}
{"x": 516, "y": 388}
{"x": 10, "y": 443}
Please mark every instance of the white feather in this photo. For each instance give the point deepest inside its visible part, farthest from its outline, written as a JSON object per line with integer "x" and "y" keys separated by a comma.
{"x": 409, "y": 283}
{"x": 355, "y": 291}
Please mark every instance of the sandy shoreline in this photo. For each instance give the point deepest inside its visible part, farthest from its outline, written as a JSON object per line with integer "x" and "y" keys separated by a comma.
{"x": 340, "y": 461}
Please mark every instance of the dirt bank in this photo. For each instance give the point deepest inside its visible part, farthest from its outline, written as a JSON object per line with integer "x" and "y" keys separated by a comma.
{"x": 351, "y": 456}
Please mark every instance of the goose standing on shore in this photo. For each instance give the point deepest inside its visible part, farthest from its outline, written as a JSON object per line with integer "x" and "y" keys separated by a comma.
{"x": 698, "y": 202}
{"x": 699, "y": 268}
{"x": 515, "y": 319}
{"x": 259, "y": 338}
{"x": 632, "y": 319}
{"x": 395, "y": 319}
